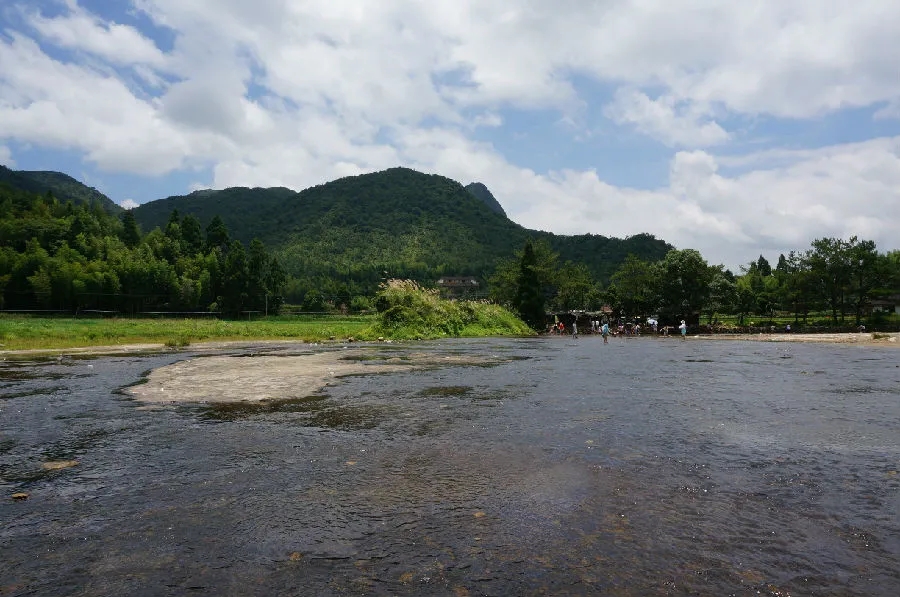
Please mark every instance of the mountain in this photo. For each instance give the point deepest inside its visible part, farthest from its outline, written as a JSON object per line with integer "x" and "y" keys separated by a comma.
{"x": 62, "y": 186}
{"x": 398, "y": 223}
{"x": 482, "y": 192}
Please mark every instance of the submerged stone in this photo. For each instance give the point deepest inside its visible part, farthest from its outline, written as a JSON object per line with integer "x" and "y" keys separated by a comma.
{"x": 57, "y": 465}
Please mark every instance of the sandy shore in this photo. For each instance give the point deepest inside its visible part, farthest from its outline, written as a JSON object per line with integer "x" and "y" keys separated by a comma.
{"x": 846, "y": 338}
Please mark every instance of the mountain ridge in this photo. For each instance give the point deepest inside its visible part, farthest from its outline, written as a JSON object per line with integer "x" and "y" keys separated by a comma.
{"x": 61, "y": 185}
{"x": 399, "y": 221}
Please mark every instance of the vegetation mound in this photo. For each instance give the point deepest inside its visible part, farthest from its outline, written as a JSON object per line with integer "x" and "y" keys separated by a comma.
{"x": 408, "y": 311}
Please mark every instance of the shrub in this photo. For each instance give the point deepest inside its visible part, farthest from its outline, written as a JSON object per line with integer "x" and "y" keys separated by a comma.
{"x": 407, "y": 310}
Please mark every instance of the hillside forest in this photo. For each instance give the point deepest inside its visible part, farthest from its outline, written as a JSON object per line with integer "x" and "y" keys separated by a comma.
{"x": 330, "y": 247}
{"x": 68, "y": 257}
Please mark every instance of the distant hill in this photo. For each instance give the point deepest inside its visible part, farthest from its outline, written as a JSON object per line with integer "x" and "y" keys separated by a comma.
{"x": 62, "y": 186}
{"x": 482, "y": 192}
{"x": 398, "y": 222}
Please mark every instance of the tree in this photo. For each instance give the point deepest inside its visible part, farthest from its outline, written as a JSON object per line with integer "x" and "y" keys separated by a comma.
{"x": 131, "y": 233}
{"x": 191, "y": 234}
{"x": 866, "y": 272}
{"x": 529, "y": 297}
{"x": 504, "y": 283}
{"x": 575, "y": 287}
{"x": 829, "y": 264}
{"x": 173, "y": 226}
{"x": 782, "y": 266}
{"x": 634, "y": 287}
{"x": 722, "y": 291}
{"x": 684, "y": 278}
{"x": 762, "y": 265}
{"x": 275, "y": 282}
{"x": 234, "y": 286}
{"x": 313, "y": 301}
{"x": 217, "y": 234}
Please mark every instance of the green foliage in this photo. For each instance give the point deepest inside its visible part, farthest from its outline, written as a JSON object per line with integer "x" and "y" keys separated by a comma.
{"x": 78, "y": 257}
{"x": 528, "y": 300}
{"x": 684, "y": 278}
{"x": 407, "y": 311}
{"x": 634, "y": 288}
{"x": 358, "y": 231}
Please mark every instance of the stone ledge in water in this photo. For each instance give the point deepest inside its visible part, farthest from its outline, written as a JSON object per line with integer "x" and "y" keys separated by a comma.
{"x": 270, "y": 377}
{"x": 58, "y": 465}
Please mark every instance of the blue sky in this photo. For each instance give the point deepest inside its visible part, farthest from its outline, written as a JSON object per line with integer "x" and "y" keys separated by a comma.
{"x": 736, "y": 129}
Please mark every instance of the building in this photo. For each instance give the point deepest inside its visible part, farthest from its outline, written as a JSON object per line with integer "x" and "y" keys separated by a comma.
{"x": 887, "y": 304}
{"x": 457, "y": 286}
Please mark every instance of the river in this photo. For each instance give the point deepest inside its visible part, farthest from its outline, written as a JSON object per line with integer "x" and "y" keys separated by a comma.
{"x": 642, "y": 467}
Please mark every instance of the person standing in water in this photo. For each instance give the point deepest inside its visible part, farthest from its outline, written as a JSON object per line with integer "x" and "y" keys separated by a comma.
{"x": 683, "y": 328}
{"x": 575, "y": 330}
{"x": 604, "y": 331}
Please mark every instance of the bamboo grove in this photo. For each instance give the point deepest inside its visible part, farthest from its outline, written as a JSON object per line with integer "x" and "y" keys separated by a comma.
{"x": 75, "y": 257}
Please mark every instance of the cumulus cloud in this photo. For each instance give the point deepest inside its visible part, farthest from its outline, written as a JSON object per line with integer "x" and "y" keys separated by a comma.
{"x": 6, "y": 157}
{"x": 841, "y": 191}
{"x": 128, "y": 204}
{"x": 78, "y": 30}
{"x": 664, "y": 119}
{"x": 297, "y": 93}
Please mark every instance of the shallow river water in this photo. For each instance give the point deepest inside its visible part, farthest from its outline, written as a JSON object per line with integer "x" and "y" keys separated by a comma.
{"x": 642, "y": 467}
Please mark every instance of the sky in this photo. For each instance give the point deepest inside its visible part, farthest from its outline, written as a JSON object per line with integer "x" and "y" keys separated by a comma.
{"x": 734, "y": 128}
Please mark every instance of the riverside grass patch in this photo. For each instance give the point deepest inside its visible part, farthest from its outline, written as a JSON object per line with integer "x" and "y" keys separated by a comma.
{"x": 407, "y": 311}
{"x": 23, "y": 332}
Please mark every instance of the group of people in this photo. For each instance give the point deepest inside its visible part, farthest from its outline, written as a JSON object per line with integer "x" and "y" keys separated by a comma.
{"x": 602, "y": 328}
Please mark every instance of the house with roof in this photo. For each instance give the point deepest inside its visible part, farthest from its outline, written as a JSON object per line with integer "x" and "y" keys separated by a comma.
{"x": 886, "y": 304}
{"x": 457, "y": 286}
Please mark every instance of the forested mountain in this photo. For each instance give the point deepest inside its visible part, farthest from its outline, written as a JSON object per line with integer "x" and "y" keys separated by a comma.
{"x": 395, "y": 223}
{"x": 62, "y": 186}
{"x": 479, "y": 190}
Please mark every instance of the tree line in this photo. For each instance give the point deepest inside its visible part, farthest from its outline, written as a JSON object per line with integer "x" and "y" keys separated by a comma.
{"x": 76, "y": 257}
{"x": 836, "y": 276}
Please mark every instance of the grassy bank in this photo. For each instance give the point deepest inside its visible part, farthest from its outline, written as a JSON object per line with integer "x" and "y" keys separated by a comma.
{"x": 19, "y": 332}
{"x": 407, "y": 311}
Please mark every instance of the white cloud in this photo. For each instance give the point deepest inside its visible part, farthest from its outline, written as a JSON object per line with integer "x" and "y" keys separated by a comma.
{"x": 128, "y": 204}
{"x": 841, "y": 191}
{"x": 890, "y": 111}
{"x": 119, "y": 44}
{"x": 6, "y": 157}
{"x": 664, "y": 119}
{"x": 297, "y": 93}
{"x": 49, "y": 103}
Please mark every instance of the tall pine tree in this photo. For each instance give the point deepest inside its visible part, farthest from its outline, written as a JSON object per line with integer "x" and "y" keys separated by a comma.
{"x": 529, "y": 298}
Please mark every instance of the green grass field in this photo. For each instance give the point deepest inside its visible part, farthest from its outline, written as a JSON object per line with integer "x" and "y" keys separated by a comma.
{"x": 19, "y": 332}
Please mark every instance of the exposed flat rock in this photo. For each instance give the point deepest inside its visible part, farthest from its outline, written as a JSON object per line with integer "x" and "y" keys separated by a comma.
{"x": 58, "y": 465}
{"x": 270, "y": 377}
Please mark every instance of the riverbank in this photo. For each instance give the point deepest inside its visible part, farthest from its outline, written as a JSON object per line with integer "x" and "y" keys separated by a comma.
{"x": 869, "y": 339}
{"x": 19, "y": 332}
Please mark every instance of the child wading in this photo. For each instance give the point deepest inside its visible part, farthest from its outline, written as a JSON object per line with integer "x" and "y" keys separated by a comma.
{"x": 605, "y": 332}
{"x": 683, "y": 328}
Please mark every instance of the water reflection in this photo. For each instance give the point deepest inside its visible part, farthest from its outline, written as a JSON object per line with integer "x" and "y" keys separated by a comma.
{"x": 641, "y": 467}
